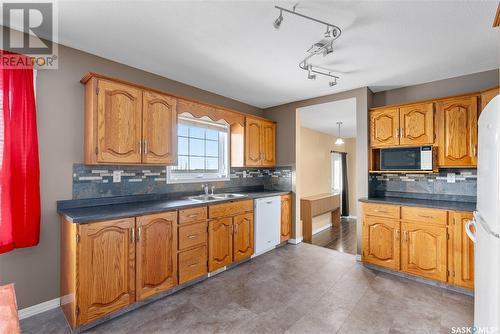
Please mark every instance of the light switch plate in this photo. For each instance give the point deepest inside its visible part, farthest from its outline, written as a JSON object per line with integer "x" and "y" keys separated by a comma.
{"x": 450, "y": 178}
{"x": 117, "y": 176}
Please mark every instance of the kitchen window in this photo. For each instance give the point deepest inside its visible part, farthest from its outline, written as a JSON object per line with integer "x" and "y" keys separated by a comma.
{"x": 202, "y": 151}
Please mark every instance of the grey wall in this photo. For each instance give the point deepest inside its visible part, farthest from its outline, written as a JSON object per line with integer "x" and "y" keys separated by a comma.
{"x": 35, "y": 270}
{"x": 454, "y": 86}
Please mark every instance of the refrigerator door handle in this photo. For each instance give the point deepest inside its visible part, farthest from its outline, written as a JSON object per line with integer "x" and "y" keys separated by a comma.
{"x": 471, "y": 234}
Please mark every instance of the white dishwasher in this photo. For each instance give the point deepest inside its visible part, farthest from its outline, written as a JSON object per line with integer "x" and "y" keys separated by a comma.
{"x": 267, "y": 216}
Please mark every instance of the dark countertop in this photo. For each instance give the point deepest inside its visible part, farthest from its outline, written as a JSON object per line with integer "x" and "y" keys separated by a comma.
{"x": 86, "y": 214}
{"x": 426, "y": 203}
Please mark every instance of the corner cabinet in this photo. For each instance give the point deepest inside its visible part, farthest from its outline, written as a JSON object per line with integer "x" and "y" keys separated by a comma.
{"x": 260, "y": 142}
{"x": 457, "y": 127}
{"x": 125, "y": 124}
{"x": 286, "y": 218}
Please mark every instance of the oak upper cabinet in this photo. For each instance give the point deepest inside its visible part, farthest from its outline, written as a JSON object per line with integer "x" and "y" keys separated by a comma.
{"x": 463, "y": 251}
{"x": 159, "y": 129}
{"x": 127, "y": 124}
{"x": 118, "y": 123}
{"x": 242, "y": 236}
{"x": 417, "y": 124}
{"x": 268, "y": 144}
{"x": 424, "y": 250}
{"x": 457, "y": 131}
{"x": 106, "y": 268}
{"x": 384, "y": 127}
{"x": 487, "y": 96}
{"x": 156, "y": 260}
{"x": 260, "y": 142}
{"x": 286, "y": 218}
{"x": 220, "y": 243}
{"x": 381, "y": 241}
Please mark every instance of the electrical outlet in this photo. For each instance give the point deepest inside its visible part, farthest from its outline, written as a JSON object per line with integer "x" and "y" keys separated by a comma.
{"x": 117, "y": 176}
{"x": 450, "y": 178}
{"x": 244, "y": 173}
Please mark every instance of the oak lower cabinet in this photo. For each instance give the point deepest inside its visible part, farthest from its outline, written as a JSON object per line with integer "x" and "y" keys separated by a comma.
{"x": 381, "y": 242}
{"x": 108, "y": 265}
{"x": 286, "y": 218}
{"x": 230, "y": 233}
{"x": 424, "y": 250}
{"x": 424, "y": 242}
{"x": 463, "y": 252}
{"x": 156, "y": 254}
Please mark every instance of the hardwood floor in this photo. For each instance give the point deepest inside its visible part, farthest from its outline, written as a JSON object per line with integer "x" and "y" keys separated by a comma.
{"x": 341, "y": 238}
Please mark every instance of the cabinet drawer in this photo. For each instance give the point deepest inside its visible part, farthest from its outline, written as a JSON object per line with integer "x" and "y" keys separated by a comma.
{"x": 192, "y": 235}
{"x": 192, "y": 264}
{"x": 381, "y": 210}
{"x": 192, "y": 215}
{"x": 229, "y": 209}
{"x": 425, "y": 215}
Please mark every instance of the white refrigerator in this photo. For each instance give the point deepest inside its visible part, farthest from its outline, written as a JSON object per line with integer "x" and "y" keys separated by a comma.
{"x": 486, "y": 222}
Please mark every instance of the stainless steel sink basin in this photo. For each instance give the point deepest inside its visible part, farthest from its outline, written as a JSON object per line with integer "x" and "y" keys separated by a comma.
{"x": 216, "y": 197}
{"x": 204, "y": 198}
{"x": 230, "y": 196}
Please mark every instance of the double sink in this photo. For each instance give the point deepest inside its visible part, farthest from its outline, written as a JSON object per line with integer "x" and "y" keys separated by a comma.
{"x": 215, "y": 197}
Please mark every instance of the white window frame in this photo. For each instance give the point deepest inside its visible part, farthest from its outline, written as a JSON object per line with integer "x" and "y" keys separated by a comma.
{"x": 224, "y": 135}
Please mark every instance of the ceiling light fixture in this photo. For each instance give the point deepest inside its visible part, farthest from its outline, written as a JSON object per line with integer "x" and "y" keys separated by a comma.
{"x": 277, "y": 22}
{"x": 324, "y": 47}
{"x": 339, "y": 140}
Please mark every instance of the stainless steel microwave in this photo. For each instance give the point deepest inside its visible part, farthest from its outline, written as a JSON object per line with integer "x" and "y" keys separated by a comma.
{"x": 406, "y": 158}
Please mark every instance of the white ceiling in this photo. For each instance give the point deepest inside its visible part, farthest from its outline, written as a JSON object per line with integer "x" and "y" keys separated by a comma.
{"x": 231, "y": 47}
{"x": 324, "y": 117}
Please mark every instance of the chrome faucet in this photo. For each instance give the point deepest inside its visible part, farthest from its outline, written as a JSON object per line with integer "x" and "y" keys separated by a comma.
{"x": 205, "y": 188}
{"x": 213, "y": 188}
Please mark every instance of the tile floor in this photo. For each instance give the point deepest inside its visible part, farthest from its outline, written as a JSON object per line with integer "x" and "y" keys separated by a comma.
{"x": 341, "y": 238}
{"x": 295, "y": 289}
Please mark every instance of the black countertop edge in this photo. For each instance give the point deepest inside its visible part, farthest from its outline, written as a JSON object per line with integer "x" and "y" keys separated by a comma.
{"x": 87, "y": 214}
{"x": 426, "y": 203}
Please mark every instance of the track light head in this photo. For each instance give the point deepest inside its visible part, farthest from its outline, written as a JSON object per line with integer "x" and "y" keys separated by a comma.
{"x": 277, "y": 22}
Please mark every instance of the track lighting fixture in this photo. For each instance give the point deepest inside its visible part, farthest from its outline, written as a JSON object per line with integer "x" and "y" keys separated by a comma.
{"x": 324, "y": 47}
{"x": 277, "y": 22}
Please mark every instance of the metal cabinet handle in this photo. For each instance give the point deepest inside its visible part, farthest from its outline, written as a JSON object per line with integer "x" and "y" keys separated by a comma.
{"x": 192, "y": 236}
{"x": 236, "y": 229}
{"x": 397, "y": 234}
{"x": 140, "y": 147}
{"x": 402, "y": 132}
{"x": 192, "y": 216}
{"x": 397, "y": 133}
{"x": 132, "y": 235}
{"x": 193, "y": 265}
{"x": 145, "y": 147}
{"x": 425, "y": 216}
{"x": 138, "y": 234}
{"x": 381, "y": 211}
{"x": 474, "y": 150}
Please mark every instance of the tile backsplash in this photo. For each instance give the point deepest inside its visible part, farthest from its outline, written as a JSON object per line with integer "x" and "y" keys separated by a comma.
{"x": 426, "y": 186}
{"x": 97, "y": 181}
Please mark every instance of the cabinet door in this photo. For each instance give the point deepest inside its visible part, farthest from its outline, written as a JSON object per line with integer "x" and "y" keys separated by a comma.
{"x": 463, "y": 251}
{"x": 106, "y": 278}
{"x": 424, "y": 250}
{"x": 384, "y": 127}
{"x": 286, "y": 218}
{"x": 457, "y": 129}
{"x": 156, "y": 265}
{"x": 417, "y": 124}
{"x": 381, "y": 242}
{"x": 268, "y": 144}
{"x": 487, "y": 96}
{"x": 243, "y": 236}
{"x": 220, "y": 243}
{"x": 253, "y": 135}
{"x": 119, "y": 110}
{"x": 159, "y": 129}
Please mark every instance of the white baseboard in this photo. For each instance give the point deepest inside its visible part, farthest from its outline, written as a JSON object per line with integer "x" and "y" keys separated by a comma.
{"x": 295, "y": 241}
{"x": 39, "y": 308}
{"x": 326, "y": 227}
{"x": 358, "y": 257}
{"x": 351, "y": 217}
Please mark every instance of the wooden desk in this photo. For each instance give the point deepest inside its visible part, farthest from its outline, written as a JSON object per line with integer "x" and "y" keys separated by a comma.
{"x": 316, "y": 205}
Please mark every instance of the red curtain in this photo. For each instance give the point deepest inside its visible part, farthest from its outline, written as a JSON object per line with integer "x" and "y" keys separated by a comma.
{"x": 20, "y": 173}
